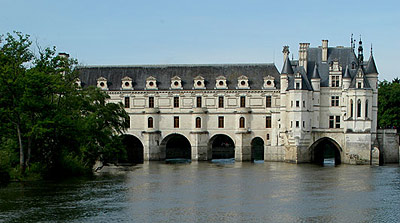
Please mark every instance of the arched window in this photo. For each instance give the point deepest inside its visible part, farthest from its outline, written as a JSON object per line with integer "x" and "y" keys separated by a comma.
{"x": 241, "y": 122}
{"x": 359, "y": 108}
{"x": 150, "y": 122}
{"x": 351, "y": 108}
{"x": 198, "y": 122}
{"x": 366, "y": 109}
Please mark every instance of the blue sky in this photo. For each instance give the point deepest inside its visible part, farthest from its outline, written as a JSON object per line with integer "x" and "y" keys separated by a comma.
{"x": 227, "y": 31}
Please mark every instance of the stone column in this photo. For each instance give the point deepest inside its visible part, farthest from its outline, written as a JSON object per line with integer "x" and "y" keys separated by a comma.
{"x": 151, "y": 145}
{"x": 200, "y": 149}
{"x": 243, "y": 146}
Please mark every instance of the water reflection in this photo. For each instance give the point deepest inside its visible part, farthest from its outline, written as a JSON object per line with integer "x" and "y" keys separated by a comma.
{"x": 211, "y": 192}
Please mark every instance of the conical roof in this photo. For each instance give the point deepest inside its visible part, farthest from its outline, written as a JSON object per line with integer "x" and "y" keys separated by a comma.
{"x": 371, "y": 67}
{"x": 347, "y": 72}
{"x": 315, "y": 74}
{"x": 287, "y": 67}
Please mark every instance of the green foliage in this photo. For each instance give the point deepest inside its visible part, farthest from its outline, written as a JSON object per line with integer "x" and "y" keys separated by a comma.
{"x": 388, "y": 104}
{"x": 49, "y": 123}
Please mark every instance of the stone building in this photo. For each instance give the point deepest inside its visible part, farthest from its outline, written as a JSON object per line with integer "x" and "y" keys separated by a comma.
{"x": 322, "y": 105}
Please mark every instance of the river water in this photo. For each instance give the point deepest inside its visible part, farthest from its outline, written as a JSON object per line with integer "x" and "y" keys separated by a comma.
{"x": 211, "y": 192}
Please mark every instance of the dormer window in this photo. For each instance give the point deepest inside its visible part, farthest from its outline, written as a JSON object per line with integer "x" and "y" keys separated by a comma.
{"x": 220, "y": 83}
{"x": 151, "y": 83}
{"x": 359, "y": 84}
{"x": 335, "y": 80}
{"x": 198, "y": 83}
{"x": 176, "y": 83}
{"x": 269, "y": 82}
{"x": 243, "y": 82}
{"x": 102, "y": 83}
{"x": 127, "y": 83}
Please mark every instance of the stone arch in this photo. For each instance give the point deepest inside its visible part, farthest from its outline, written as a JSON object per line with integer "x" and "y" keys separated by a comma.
{"x": 176, "y": 146}
{"x": 326, "y": 148}
{"x": 221, "y": 146}
{"x": 134, "y": 149}
{"x": 257, "y": 149}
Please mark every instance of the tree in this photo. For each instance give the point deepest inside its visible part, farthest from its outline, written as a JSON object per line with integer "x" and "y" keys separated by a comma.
{"x": 388, "y": 104}
{"x": 53, "y": 120}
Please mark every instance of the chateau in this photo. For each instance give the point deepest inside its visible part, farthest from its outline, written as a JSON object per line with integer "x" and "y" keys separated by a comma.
{"x": 322, "y": 105}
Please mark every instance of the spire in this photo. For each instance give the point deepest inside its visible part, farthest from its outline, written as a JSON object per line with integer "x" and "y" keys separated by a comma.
{"x": 287, "y": 67}
{"x": 360, "y": 53}
{"x": 371, "y": 67}
{"x": 347, "y": 72}
{"x": 315, "y": 74}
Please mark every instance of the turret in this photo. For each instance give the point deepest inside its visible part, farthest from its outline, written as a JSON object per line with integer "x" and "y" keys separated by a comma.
{"x": 371, "y": 72}
{"x": 315, "y": 79}
{"x": 286, "y": 70}
{"x": 346, "y": 78}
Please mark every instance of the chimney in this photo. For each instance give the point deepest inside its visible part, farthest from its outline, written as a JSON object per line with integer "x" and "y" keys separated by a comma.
{"x": 303, "y": 55}
{"x": 324, "y": 50}
{"x": 285, "y": 52}
{"x": 63, "y": 55}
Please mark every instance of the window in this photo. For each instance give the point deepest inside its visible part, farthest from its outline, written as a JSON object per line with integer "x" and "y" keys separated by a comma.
{"x": 304, "y": 124}
{"x": 304, "y": 104}
{"x": 242, "y": 101}
{"x": 198, "y": 102}
{"x": 220, "y": 101}
{"x": 297, "y": 85}
{"x": 267, "y": 136}
{"x": 366, "y": 109}
{"x": 291, "y": 104}
{"x": 176, "y": 102}
{"x": 335, "y": 81}
{"x": 334, "y": 121}
{"x": 150, "y": 122}
{"x": 351, "y": 108}
{"x": 268, "y": 122}
{"x": 126, "y": 102}
{"x": 220, "y": 122}
{"x": 198, "y": 122}
{"x": 359, "y": 108}
{"x": 297, "y": 103}
{"x": 151, "y": 102}
{"x": 297, "y": 124}
{"x": 176, "y": 121}
{"x": 337, "y": 122}
{"x": 335, "y": 101}
{"x": 268, "y": 102}
{"x": 359, "y": 85}
{"x": 291, "y": 124}
{"x": 241, "y": 122}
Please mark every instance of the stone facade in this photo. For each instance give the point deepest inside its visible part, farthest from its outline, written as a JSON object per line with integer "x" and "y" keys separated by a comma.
{"x": 327, "y": 96}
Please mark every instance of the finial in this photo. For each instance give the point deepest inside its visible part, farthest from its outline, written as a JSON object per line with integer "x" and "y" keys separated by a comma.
{"x": 351, "y": 41}
{"x": 371, "y": 48}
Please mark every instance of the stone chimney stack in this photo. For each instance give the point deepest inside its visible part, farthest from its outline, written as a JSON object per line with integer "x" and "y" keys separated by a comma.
{"x": 303, "y": 55}
{"x": 285, "y": 52}
{"x": 324, "y": 50}
{"x": 63, "y": 55}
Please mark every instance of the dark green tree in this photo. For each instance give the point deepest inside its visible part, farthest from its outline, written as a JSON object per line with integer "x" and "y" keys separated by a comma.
{"x": 388, "y": 104}
{"x": 53, "y": 122}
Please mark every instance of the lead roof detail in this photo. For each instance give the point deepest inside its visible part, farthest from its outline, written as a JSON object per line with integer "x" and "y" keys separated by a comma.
{"x": 187, "y": 73}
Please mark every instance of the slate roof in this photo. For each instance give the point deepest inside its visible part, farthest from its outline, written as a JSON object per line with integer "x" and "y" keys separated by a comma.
{"x": 346, "y": 58}
{"x": 163, "y": 73}
{"x": 371, "y": 67}
{"x": 287, "y": 67}
{"x": 315, "y": 74}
